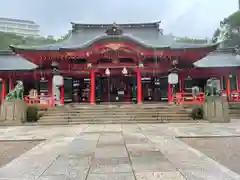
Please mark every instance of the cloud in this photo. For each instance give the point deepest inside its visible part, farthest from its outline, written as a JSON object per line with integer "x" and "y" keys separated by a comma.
{"x": 181, "y": 17}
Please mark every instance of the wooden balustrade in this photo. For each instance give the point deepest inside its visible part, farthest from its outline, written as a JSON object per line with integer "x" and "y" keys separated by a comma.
{"x": 234, "y": 96}
{"x": 42, "y": 100}
{"x": 188, "y": 98}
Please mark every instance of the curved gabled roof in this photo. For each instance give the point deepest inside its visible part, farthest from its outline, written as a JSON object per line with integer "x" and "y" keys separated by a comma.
{"x": 146, "y": 35}
{"x": 160, "y": 42}
{"x": 12, "y": 62}
{"x": 83, "y": 40}
{"x": 218, "y": 59}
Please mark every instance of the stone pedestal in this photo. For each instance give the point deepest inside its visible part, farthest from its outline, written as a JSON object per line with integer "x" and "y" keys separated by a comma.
{"x": 216, "y": 109}
{"x": 14, "y": 111}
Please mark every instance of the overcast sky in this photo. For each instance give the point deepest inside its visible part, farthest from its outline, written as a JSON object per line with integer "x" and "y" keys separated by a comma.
{"x": 194, "y": 18}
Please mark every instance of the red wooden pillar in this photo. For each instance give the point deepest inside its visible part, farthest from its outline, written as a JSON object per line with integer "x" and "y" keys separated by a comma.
{"x": 139, "y": 86}
{"x": 228, "y": 87}
{"x": 169, "y": 93}
{"x": 3, "y": 89}
{"x": 92, "y": 87}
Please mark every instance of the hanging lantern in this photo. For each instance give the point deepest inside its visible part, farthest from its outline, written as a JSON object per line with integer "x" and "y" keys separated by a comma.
{"x": 175, "y": 62}
{"x": 189, "y": 78}
{"x": 107, "y": 72}
{"x": 124, "y": 71}
{"x": 173, "y": 78}
{"x": 141, "y": 65}
{"x": 89, "y": 65}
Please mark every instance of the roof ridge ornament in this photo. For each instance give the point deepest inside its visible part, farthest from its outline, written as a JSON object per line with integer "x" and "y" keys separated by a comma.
{"x": 114, "y": 30}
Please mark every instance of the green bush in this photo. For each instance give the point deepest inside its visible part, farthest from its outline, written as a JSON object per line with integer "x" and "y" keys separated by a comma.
{"x": 197, "y": 113}
{"x": 32, "y": 114}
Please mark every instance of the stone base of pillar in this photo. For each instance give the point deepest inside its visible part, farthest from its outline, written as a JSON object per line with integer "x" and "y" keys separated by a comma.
{"x": 13, "y": 112}
{"x": 216, "y": 109}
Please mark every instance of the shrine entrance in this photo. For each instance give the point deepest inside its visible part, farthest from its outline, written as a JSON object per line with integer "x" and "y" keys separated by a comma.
{"x": 116, "y": 87}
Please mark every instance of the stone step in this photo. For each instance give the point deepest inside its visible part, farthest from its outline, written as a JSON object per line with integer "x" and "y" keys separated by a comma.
{"x": 117, "y": 113}
{"x": 116, "y": 110}
{"x": 114, "y": 119}
{"x": 235, "y": 116}
{"x": 114, "y": 114}
{"x": 118, "y": 105}
{"x": 234, "y": 111}
{"x": 109, "y": 117}
{"x": 113, "y": 106}
{"x": 117, "y": 122}
{"x": 234, "y": 105}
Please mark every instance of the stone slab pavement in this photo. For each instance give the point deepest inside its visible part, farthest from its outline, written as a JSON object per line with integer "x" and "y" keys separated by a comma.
{"x": 116, "y": 152}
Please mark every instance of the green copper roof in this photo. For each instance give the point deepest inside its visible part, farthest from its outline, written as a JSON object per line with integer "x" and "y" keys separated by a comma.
{"x": 218, "y": 59}
{"x": 147, "y": 35}
{"x": 84, "y": 40}
{"x": 10, "y": 62}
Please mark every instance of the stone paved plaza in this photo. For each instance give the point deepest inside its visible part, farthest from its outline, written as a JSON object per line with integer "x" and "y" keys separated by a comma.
{"x": 117, "y": 152}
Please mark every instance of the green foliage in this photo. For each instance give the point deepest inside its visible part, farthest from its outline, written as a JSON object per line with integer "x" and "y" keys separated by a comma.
{"x": 7, "y": 39}
{"x": 192, "y": 40}
{"x": 233, "y": 20}
{"x": 197, "y": 113}
{"x": 227, "y": 28}
{"x": 216, "y": 35}
{"x": 32, "y": 114}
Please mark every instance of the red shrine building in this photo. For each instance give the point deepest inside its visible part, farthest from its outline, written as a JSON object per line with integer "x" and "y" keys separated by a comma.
{"x": 117, "y": 63}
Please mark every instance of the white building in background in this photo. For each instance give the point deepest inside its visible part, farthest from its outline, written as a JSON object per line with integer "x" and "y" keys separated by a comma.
{"x": 20, "y": 27}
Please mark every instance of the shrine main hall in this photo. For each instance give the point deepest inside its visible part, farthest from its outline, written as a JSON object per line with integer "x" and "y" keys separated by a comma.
{"x": 117, "y": 63}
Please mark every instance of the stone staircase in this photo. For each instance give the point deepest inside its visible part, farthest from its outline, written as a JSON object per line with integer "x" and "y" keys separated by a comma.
{"x": 234, "y": 110}
{"x": 115, "y": 114}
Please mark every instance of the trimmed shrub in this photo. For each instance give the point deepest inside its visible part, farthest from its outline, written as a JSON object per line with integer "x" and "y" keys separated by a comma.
{"x": 197, "y": 113}
{"x": 32, "y": 114}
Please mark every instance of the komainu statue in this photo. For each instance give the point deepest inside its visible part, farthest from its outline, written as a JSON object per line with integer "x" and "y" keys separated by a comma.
{"x": 16, "y": 93}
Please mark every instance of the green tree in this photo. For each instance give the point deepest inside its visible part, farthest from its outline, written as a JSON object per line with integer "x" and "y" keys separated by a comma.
{"x": 228, "y": 31}
{"x": 7, "y": 39}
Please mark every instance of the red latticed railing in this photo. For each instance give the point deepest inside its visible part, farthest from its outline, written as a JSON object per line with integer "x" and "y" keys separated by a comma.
{"x": 42, "y": 100}
{"x": 235, "y": 96}
{"x": 188, "y": 98}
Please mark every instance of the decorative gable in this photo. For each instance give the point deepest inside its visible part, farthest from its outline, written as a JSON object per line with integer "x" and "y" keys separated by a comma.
{"x": 114, "y": 30}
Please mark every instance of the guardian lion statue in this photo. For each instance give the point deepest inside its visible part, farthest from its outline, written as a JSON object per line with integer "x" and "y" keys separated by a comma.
{"x": 16, "y": 93}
